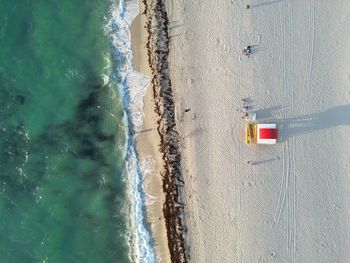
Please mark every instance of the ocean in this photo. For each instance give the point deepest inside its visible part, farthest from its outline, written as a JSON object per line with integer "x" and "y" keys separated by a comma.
{"x": 71, "y": 105}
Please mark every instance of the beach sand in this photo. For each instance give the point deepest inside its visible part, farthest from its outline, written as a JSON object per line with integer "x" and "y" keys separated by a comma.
{"x": 292, "y": 204}
{"x": 148, "y": 142}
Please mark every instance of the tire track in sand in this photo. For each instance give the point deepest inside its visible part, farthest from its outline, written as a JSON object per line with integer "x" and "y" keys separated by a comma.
{"x": 292, "y": 223}
{"x": 292, "y": 196}
{"x": 287, "y": 192}
{"x": 284, "y": 181}
{"x": 310, "y": 51}
{"x": 282, "y": 195}
{"x": 291, "y": 219}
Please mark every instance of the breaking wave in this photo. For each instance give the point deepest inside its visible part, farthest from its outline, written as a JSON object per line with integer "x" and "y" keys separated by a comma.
{"x": 132, "y": 87}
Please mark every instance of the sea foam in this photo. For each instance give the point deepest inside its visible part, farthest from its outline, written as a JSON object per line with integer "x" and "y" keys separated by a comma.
{"x": 132, "y": 88}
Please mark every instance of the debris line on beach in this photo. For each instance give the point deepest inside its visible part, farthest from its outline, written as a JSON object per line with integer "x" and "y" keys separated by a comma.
{"x": 157, "y": 26}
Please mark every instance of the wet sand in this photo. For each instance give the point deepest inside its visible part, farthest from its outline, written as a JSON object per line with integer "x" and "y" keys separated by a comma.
{"x": 148, "y": 142}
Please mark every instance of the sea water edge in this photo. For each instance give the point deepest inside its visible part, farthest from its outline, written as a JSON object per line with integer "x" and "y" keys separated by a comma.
{"x": 41, "y": 234}
{"x": 59, "y": 200}
{"x": 132, "y": 87}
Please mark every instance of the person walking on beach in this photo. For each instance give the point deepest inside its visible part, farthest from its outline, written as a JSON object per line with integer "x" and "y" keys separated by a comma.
{"x": 247, "y": 51}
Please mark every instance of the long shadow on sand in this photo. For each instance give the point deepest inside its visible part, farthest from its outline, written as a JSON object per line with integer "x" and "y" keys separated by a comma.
{"x": 265, "y": 3}
{"x": 337, "y": 116}
{"x": 270, "y": 113}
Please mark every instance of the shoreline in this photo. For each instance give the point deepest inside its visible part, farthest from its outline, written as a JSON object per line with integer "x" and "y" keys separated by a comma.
{"x": 148, "y": 143}
{"x": 165, "y": 212}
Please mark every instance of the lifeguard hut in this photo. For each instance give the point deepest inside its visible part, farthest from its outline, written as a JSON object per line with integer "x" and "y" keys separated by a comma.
{"x": 261, "y": 133}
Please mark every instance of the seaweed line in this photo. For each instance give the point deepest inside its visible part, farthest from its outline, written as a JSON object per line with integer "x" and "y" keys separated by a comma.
{"x": 157, "y": 23}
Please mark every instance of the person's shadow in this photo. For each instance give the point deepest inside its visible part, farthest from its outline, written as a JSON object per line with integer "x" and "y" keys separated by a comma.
{"x": 333, "y": 117}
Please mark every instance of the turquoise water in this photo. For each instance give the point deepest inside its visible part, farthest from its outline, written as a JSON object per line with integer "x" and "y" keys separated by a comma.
{"x": 62, "y": 191}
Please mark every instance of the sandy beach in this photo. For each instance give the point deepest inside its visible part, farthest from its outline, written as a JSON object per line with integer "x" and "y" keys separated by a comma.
{"x": 148, "y": 142}
{"x": 292, "y": 204}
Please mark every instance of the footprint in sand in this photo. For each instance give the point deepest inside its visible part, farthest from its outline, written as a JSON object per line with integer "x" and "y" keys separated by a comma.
{"x": 273, "y": 255}
{"x": 223, "y": 45}
{"x": 255, "y": 38}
